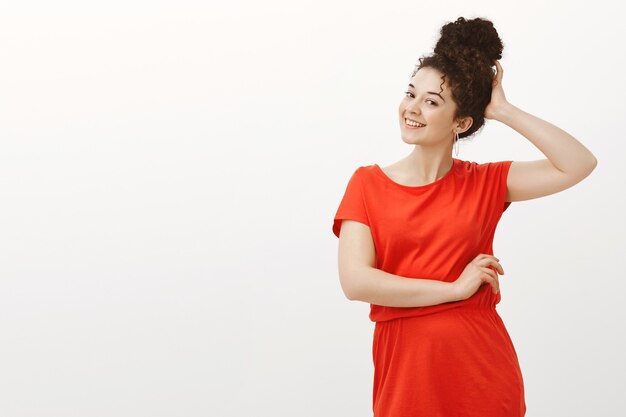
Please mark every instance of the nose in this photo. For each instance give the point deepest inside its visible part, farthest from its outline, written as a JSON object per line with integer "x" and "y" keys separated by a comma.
{"x": 413, "y": 107}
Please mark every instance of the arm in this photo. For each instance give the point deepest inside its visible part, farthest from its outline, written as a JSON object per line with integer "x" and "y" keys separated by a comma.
{"x": 563, "y": 150}
{"x": 568, "y": 161}
{"x": 361, "y": 281}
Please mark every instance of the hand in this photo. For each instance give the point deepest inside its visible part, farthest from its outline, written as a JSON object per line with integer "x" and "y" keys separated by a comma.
{"x": 477, "y": 272}
{"x": 498, "y": 100}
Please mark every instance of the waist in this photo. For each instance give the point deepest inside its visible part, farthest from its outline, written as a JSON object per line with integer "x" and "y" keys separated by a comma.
{"x": 384, "y": 313}
{"x": 445, "y": 320}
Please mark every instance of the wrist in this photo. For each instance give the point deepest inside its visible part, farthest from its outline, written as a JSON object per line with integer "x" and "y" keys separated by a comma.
{"x": 504, "y": 112}
{"x": 453, "y": 294}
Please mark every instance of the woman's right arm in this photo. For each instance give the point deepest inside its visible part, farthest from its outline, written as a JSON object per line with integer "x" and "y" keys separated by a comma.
{"x": 360, "y": 280}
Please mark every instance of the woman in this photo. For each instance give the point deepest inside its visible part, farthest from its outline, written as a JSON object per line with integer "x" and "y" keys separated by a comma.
{"x": 416, "y": 236}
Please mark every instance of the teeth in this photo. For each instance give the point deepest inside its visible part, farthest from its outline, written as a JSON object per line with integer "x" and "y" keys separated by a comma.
{"x": 412, "y": 123}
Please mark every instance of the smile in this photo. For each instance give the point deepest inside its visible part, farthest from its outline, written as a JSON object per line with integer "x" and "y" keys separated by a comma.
{"x": 412, "y": 124}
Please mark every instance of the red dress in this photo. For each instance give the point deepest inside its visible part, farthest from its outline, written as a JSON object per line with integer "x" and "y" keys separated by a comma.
{"x": 453, "y": 359}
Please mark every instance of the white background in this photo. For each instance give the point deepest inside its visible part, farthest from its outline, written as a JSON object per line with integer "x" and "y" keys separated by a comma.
{"x": 169, "y": 172}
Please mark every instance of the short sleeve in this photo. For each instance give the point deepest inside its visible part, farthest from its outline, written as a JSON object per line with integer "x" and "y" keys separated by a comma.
{"x": 498, "y": 173}
{"x": 352, "y": 205}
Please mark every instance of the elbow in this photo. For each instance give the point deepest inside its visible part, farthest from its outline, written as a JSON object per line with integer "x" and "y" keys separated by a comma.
{"x": 351, "y": 284}
{"x": 354, "y": 296}
{"x": 348, "y": 291}
{"x": 593, "y": 163}
{"x": 585, "y": 168}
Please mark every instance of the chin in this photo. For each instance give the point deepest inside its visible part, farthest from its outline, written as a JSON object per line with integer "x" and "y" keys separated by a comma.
{"x": 407, "y": 137}
{"x": 410, "y": 141}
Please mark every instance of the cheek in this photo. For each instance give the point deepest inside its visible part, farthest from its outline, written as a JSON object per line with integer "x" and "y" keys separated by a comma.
{"x": 438, "y": 116}
{"x": 434, "y": 115}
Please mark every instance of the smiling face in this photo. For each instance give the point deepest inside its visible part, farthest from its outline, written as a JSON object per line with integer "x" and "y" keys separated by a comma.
{"x": 424, "y": 102}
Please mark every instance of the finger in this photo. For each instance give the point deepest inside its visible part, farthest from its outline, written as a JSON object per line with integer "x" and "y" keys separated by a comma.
{"x": 496, "y": 265}
{"x": 499, "y": 267}
{"x": 493, "y": 280}
{"x": 486, "y": 259}
{"x": 481, "y": 256}
{"x": 496, "y": 283}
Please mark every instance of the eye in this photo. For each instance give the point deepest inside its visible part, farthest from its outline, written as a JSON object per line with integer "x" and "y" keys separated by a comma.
{"x": 433, "y": 102}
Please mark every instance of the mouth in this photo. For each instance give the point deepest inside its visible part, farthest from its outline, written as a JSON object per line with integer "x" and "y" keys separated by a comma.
{"x": 412, "y": 124}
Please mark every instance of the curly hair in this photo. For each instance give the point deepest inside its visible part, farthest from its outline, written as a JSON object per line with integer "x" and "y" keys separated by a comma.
{"x": 465, "y": 54}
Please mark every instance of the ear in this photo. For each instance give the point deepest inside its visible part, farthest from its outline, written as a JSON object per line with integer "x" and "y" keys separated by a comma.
{"x": 463, "y": 124}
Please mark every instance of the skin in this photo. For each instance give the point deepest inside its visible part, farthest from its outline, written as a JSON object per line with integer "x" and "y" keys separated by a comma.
{"x": 567, "y": 162}
{"x": 431, "y": 157}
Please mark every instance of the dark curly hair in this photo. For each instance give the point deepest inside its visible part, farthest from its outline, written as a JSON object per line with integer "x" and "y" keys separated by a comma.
{"x": 465, "y": 54}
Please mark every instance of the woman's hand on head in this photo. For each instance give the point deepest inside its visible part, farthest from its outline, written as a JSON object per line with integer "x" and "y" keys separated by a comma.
{"x": 498, "y": 99}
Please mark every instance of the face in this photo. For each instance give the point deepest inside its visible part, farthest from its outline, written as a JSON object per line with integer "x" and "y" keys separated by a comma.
{"x": 425, "y": 103}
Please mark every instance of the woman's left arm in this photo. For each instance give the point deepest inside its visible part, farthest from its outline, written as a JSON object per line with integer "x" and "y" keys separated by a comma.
{"x": 568, "y": 161}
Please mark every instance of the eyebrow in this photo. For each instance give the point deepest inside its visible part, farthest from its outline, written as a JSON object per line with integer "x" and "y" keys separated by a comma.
{"x": 429, "y": 92}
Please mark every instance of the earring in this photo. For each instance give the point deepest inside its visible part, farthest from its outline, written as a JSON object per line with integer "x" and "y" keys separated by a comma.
{"x": 456, "y": 143}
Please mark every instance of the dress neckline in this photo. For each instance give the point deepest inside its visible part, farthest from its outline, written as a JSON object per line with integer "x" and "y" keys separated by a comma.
{"x": 448, "y": 174}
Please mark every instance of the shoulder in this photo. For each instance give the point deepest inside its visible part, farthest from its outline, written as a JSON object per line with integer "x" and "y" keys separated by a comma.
{"x": 364, "y": 171}
{"x": 484, "y": 167}
{"x": 466, "y": 166}
{"x": 363, "y": 177}
{"x": 360, "y": 176}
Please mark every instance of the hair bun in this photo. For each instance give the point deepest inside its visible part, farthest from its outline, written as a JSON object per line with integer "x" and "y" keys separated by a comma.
{"x": 469, "y": 40}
